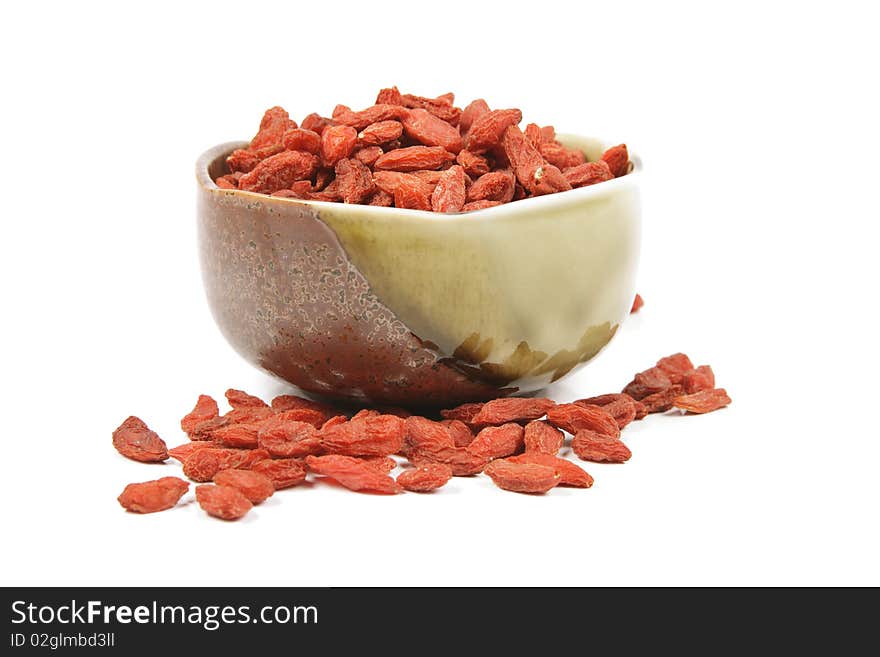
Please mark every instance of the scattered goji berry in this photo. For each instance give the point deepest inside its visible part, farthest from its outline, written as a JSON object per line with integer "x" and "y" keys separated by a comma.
{"x": 284, "y": 473}
{"x": 203, "y": 464}
{"x": 285, "y": 438}
{"x": 352, "y": 473}
{"x": 237, "y": 435}
{"x": 253, "y": 485}
{"x": 135, "y": 440}
{"x": 570, "y": 473}
{"x": 620, "y": 406}
{"x": 575, "y": 417}
{"x": 599, "y": 448}
{"x": 497, "y": 442}
{"x": 224, "y": 502}
{"x": 427, "y": 477}
{"x": 638, "y": 302}
{"x": 701, "y": 378}
{"x": 383, "y": 464}
{"x": 182, "y": 452}
{"x": 205, "y": 409}
{"x": 461, "y": 434}
{"x": 464, "y": 412}
{"x": 647, "y": 383}
{"x": 522, "y": 477}
{"x": 675, "y": 366}
{"x": 378, "y": 435}
{"x": 512, "y": 409}
{"x": 540, "y": 436}
{"x": 153, "y": 496}
{"x": 704, "y": 401}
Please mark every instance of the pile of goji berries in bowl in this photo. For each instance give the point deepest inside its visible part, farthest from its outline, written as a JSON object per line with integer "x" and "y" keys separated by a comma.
{"x": 416, "y": 153}
{"x": 522, "y": 444}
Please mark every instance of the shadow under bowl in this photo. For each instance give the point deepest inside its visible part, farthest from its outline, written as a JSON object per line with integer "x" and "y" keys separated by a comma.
{"x": 414, "y": 308}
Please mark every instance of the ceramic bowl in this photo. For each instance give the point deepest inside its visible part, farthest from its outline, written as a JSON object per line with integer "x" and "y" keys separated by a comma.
{"x": 414, "y": 308}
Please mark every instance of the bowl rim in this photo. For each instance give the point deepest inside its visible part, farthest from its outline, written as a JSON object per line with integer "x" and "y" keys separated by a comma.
{"x": 534, "y": 203}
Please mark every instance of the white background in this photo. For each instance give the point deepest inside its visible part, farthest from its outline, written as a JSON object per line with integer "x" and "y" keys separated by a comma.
{"x": 758, "y": 129}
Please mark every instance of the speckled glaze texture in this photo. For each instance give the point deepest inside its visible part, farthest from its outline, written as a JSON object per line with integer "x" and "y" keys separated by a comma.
{"x": 413, "y": 308}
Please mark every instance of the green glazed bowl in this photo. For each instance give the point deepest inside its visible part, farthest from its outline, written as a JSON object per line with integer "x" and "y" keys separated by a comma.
{"x": 414, "y": 308}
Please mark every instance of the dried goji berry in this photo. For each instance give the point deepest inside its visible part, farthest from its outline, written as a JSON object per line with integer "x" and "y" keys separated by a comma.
{"x": 449, "y": 194}
{"x": 380, "y": 133}
{"x": 337, "y": 143}
{"x": 203, "y": 464}
{"x": 523, "y": 477}
{"x": 661, "y": 401}
{"x": 675, "y": 366}
{"x": 704, "y": 401}
{"x": 153, "y": 496}
{"x": 414, "y": 158}
{"x": 512, "y": 409}
{"x": 599, "y": 448}
{"x": 292, "y": 402}
{"x": 413, "y": 194}
{"x": 574, "y": 418}
{"x": 224, "y": 502}
{"x": 240, "y": 399}
{"x": 441, "y": 107}
{"x": 560, "y": 156}
{"x": 420, "y": 432}
{"x": 182, "y": 452}
{"x": 135, "y": 440}
{"x": 316, "y": 123}
{"x": 533, "y": 134}
{"x": 620, "y": 406}
{"x": 487, "y": 129}
{"x": 374, "y": 114}
{"x": 355, "y": 180}
{"x": 464, "y": 412}
{"x": 237, "y": 435}
{"x": 253, "y": 485}
{"x": 289, "y": 438}
{"x": 647, "y": 382}
{"x": 493, "y": 186}
{"x": 540, "y": 436}
{"x": 279, "y": 172}
{"x": 300, "y": 139}
{"x": 425, "y": 128}
{"x": 352, "y": 473}
{"x": 474, "y": 165}
{"x": 390, "y": 96}
{"x": 570, "y": 474}
{"x": 205, "y": 409}
{"x": 471, "y": 113}
{"x": 367, "y": 155}
{"x": 588, "y": 173}
{"x": 312, "y": 416}
{"x": 427, "y": 477}
{"x": 226, "y": 182}
{"x": 638, "y": 302}
{"x": 202, "y": 430}
{"x": 701, "y": 378}
{"x": 617, "y": 159}
{"x": 276, "y": 121}
{"x": 431, "y": 442}
{"x": 381, "y": 198}
{"x": 378, "y": 435}
{"x": 497, "y": 442}
{"x": 383, "y": 464}
{"x": 533, "y": 173}
{"x": 283, "y": 473}
{"x": 461, "y": 434}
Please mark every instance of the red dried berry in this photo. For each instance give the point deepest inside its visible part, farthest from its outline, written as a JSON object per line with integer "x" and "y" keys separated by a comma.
{"x": 428, "y": 477}
{"x": 226, "y": 182}
{"x": 383, "y": 464}
{"x": 617, "y": 159}
{"x": 425, "y": 128}
{"x": 316, "y": 123}
{"x": 135, "y": 440}
{"x": 559, "y": 156}
{"x": 471, "y": 113}
{"x": 464, "y": 412}
{"x": 253, "y": 485}
{"x": 355, "y": 180}
{"x": 284, "y": 473}
{"x": 638, "y": 302}
{"x": 588, "y": 173}
{"x": 275, "y": 122}
{"x": 182, "y": 452}
{"x": 300, "y": 139}
{"x": 620, "y": 406}
{"x": 497, "y": 442}
{"x": 412, "y": 194}
{"x": 540, "y": 436}
{"x": 701, "y": 378}
{"x": 203, "y": 464}
{"x": 512, "y": 409}
{"x": 473, "y": 165}
{"x": 570, "y": 474}
{"x": 205, "y": 409}
{"x": 285, "y": 438}
{"x": 487, "y": 129}
{"x": 479, "y": 205}
{"x": 414, "y": 158}
{"x": 449, "y": 194}
{"x": 704, "y": 401}
{"x": 375, "y": 114}
{"x": 534, "y": 174}
{"x": 352, "y": 473}
{"x": 675, "y": 366}
{"x": 599, "y": 448}
{"x": 461, "y": 434}
{"x": 523, "y": 477}
{"x": 368, "y": 155}
{"x": 237, "y": 435}
{"x": 380, "y": 133}
{"x": 659, "y": 402}
{"x": 153, "y": 496}
{"x": 493, "y": 186}
{"x": 574, "y": 418}
{"x": 337, "y": 143}
{"x": 378, "y": 435}
{"x": 647, "y": 383}
{"x": 279, "y": 172}
{"x": 223, "y": 502}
